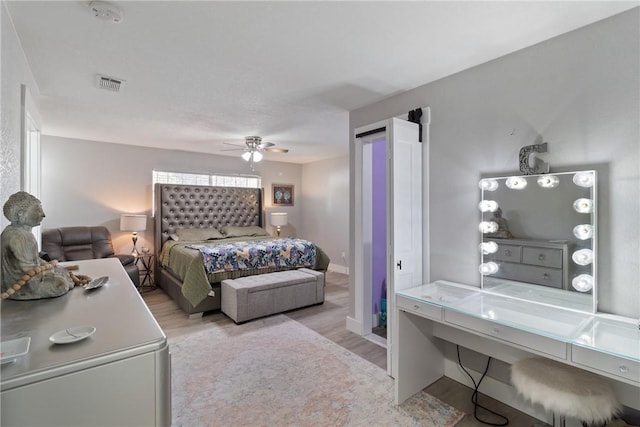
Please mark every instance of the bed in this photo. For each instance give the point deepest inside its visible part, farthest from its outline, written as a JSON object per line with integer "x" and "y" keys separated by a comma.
{"x": 196, "y": 225}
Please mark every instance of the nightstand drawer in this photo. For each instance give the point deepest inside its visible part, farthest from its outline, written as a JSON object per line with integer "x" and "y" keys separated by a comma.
{"x": 542, "y": 257}
{"x": 525, "y": 339}
{"x": 420, "y": 308}
{"x": 511, "y": 253}
{"x": 614, "y": 365}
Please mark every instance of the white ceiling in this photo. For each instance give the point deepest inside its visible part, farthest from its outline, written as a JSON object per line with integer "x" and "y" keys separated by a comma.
{"x": 202, "y": 73}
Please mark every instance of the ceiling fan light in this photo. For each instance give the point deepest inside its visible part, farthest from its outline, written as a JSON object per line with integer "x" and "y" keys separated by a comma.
{"x": 246, "y": 155}
{"x": 257, "y": 156}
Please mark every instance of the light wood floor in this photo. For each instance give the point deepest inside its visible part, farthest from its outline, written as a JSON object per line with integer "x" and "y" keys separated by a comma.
{"x": 329, "y": 320}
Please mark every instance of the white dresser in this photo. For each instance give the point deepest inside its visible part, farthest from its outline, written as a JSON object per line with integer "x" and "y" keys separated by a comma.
{"x": 118, "y": 376}
{"x": 508, "y": 329}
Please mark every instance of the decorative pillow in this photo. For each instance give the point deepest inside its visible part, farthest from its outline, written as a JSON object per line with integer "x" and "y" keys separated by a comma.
{"x": 251, "y": 231}
{"x": 198, "y": 234}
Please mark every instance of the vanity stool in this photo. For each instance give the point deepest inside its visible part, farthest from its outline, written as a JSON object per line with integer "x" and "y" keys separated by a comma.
{"x": 564, "y": 390}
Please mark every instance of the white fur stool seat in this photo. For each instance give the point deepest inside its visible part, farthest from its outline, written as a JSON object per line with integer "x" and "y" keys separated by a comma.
{"x": 565, "y": 390}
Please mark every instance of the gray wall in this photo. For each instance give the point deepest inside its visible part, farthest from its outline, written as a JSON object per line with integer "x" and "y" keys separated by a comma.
{"x": 92, "y": 183}
{"x": 579, "y": 92}
{"x": 14, "y": 72}
{"x": 325, "y": 209}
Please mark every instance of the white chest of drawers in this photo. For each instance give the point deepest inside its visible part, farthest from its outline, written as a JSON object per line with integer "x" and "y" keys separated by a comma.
{"x": 118, "y": 376}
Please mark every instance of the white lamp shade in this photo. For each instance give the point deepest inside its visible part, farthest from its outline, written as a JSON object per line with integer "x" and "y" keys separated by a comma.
{"x": 278, "y": 219}
{"x": 130, "y": 222}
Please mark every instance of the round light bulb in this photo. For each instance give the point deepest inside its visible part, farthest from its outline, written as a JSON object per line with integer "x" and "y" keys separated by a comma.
{"x": 516, "y": 183}
{"x": 488, "y": 205}
{"x": 583, "y": 179}
{"x": 583, "y": 231}
{"x": 488, "y": 268}
{"x": 488, "y": 227}
{"x": 488, "y": 248}
{"x": 548, "y": 181}
{"x": 488, "y": 184}
{"x": 583, "y": 205}
{"x": 257, "y": 156}
{"x": 583, "y": 257}
{"x": 582, "y": 283}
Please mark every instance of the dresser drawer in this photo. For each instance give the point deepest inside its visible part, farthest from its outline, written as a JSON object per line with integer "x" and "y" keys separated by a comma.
{"x": 551, "y": 277}
{"x": 511, "y": 253}
{"x": 542, "y": 257}
{"x": 617, "y": 366}
{"x": 420, "y": 308}
{"x": 525, "y": 339}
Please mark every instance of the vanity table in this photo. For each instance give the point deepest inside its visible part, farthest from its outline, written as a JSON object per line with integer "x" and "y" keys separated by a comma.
{"x": 537, "y": 297}
{"x": 509, "y": 329}
{"x": 119, "y": 375}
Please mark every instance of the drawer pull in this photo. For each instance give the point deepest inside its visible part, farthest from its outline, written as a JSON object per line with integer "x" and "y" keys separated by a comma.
{"x": 495, "y": 331}
{"x": 623, "y": 369}
{"x": 546, "y": 276}
{"x": 541, "y": 257}
{"x": 507, "y": 252}
{"x": 416, "y": 307}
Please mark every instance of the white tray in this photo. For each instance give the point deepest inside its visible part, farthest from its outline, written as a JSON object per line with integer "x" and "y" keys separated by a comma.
{"x": 12, "y": 349}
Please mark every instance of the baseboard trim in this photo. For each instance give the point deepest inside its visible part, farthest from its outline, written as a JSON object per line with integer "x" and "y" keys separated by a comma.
{"x": 354, "y": 326}
{"x": 338, "y": 268}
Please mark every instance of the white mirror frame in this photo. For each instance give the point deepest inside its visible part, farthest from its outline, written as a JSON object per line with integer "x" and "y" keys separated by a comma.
{"x": 581, "y": 237}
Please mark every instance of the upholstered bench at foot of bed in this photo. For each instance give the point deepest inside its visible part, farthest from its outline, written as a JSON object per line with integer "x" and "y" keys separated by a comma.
{"x": 251, "y": 297}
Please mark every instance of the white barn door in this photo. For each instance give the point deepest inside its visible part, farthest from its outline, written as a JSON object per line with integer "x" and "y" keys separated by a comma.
{"x": 404, "y": 216}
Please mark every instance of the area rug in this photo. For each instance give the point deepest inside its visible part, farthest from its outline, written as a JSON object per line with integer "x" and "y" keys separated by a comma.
{"x": 277, "y": 372}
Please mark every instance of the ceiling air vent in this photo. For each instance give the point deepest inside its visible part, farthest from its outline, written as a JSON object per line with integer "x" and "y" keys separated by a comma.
{"x": 109, "y": 83}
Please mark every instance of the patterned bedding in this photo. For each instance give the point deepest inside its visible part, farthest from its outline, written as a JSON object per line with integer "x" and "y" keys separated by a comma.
{"x": 198, "y": 264}
{"x": 257, "y": 254}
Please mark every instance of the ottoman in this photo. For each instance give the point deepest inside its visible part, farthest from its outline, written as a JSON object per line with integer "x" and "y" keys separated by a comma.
{"x": 250, "y": 297}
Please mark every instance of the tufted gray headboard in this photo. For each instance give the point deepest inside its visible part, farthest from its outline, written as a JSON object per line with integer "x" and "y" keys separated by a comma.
{"x": 197, "y": 206}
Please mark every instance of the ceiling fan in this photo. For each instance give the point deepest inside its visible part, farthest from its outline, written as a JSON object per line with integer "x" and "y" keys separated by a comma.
{"x": 254, "y": 148}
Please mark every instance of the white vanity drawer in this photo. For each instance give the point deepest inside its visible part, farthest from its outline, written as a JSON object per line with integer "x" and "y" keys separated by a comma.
{"x": 542, "y": 257}
{"x": 532, "y": 341}
{"x": 421, "y": 308}
{"x": 608, "y": 363}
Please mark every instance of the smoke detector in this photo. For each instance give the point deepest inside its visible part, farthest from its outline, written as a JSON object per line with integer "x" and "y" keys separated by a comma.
{"x": 109, "y": 83}
{"x": 106, "y": 11}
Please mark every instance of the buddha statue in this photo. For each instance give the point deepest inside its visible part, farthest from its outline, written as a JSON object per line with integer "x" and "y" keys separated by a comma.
{"x": 25, "y": 276}
{"x": 503, "y": 228}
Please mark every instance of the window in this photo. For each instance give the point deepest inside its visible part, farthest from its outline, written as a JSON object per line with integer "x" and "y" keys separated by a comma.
{"x": 249, "y": 181}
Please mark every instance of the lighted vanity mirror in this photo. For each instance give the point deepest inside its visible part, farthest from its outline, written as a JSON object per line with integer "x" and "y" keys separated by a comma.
{"x": 538, "y": 238}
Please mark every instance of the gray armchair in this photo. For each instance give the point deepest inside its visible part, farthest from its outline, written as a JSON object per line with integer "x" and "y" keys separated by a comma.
{"x": 78, "y": 243}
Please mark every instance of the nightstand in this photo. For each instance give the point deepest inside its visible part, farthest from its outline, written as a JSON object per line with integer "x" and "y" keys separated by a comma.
{"x": 145, "y": 264}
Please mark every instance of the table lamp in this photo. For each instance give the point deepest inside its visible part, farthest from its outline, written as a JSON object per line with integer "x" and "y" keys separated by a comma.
{"x": 135, "y": 223}
{"x": 278, "y": 220}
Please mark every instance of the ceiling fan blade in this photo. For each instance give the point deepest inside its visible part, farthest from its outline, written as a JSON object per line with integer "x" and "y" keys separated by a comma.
{"x": 234, "y": 149}
{"x": 276, "y": 150}
{"x": 235, "y": 145}
{"x": 264, "y": 145}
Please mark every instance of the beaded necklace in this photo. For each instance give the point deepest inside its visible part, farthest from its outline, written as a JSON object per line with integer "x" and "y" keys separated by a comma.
{"x": 78, "y": 280}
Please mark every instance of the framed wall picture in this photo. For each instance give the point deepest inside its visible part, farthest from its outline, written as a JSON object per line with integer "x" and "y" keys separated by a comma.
{"x": 282, "y": 194}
